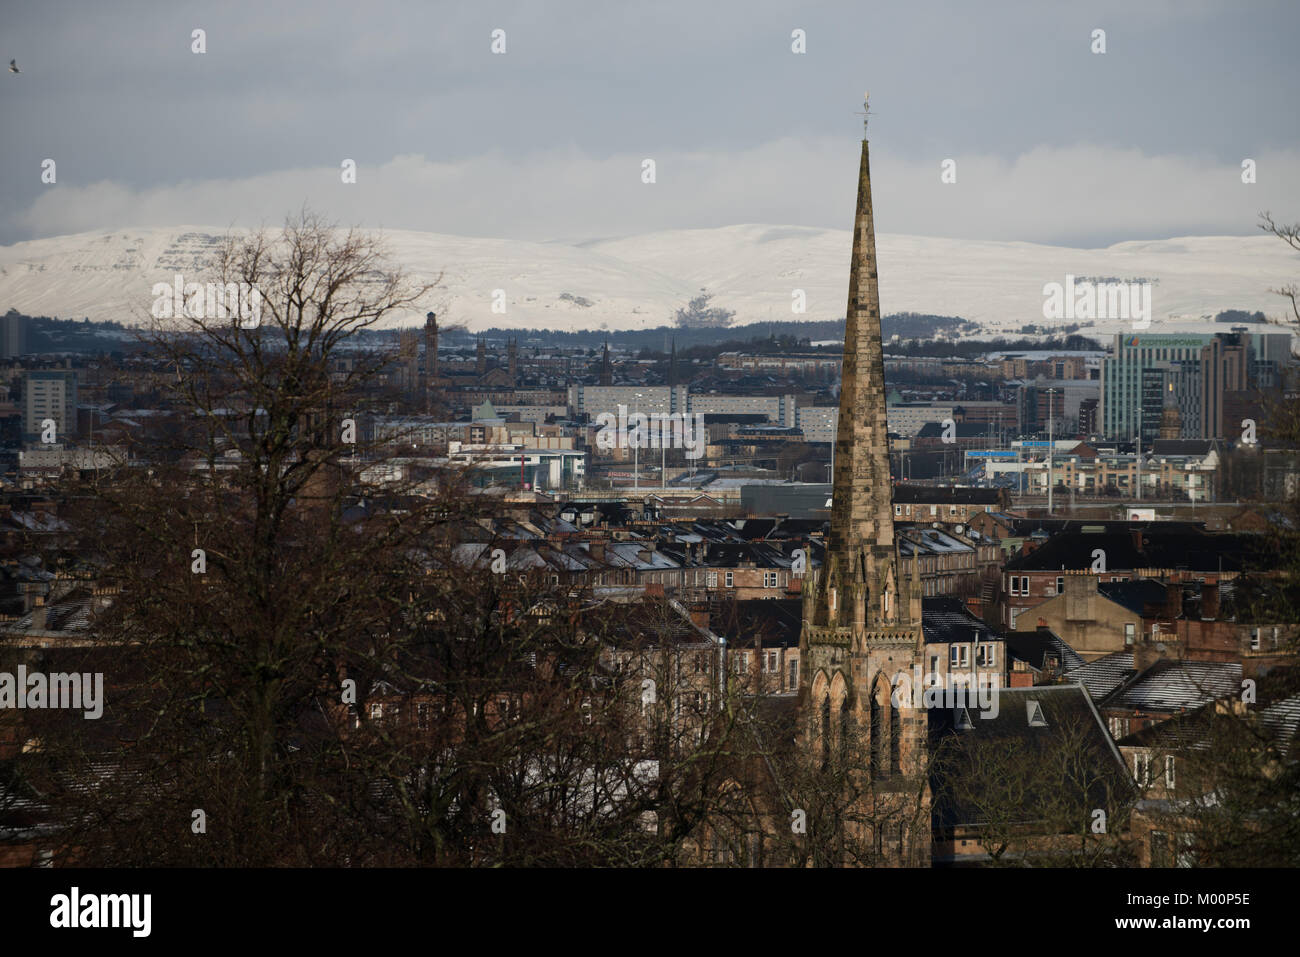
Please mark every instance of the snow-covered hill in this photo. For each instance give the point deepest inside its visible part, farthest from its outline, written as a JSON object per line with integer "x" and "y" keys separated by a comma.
{"x": 639, "y": 281}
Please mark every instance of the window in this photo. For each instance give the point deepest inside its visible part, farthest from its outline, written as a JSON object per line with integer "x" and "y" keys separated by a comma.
{"x": 422, "y": 716}
{"x": 986, "y": 654}
{"x": 712, "y": 580}
{"x": 700, "y": 663}
{"x": 1024, "y": 584}
{"x": 731, "y": 579}
{"x": 1276, "y": 635}
{"x": 898, "y": 510}
{"x": 1169, "y": 771}
{"x": 769, "y": 579}
{"x": 1060, "y": 584}
{"x": 1015, "y": 585}
{"x": 1254, "y": 639}
{"x": 959, "y": 656}
{"x": 934, "y": 664}
{"x": 794, "y": 674}
{"x": 1130, "y": 631}
{"x": 771, "y": 665}
{"x": 1142, "y": 769}
{"x": 1118, "y": 727}
{"x": 376, "y": 712}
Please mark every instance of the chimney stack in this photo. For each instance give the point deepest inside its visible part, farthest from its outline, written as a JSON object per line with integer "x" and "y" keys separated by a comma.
{"x": 700, "y": 614}
{"x": 1173, "y": 600}
{"x": 1210, "y": 601}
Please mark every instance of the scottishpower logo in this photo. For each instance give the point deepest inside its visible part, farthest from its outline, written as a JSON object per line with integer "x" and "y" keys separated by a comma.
{"x": 1164, "y": 342}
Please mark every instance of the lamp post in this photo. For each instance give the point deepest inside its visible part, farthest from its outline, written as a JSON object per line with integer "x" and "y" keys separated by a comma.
{"x": 1051, "y": 448}
{"x": 636, "y": 445}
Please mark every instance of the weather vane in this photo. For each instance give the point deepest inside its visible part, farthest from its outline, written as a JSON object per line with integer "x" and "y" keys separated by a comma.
{"x": 866, "y": 109}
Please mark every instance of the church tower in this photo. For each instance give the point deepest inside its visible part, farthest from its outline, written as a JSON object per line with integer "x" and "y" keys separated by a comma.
{"x": 430, "y": 359}
{"x": 606, "y": 372}
{"x": 862, "y": 625}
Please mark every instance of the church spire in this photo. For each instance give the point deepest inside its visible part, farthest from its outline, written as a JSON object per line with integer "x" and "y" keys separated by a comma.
{"x": 862, "y": 512}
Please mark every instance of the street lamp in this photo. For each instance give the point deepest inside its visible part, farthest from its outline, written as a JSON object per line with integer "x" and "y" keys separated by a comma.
{"x": 636, "y": 445}
{"x": 1051, "y": 448}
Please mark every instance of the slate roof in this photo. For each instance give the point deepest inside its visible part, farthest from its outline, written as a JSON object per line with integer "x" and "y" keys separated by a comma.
{"x": 945, "y": 620}
{"x": 1103, "y": 675}
{"x": 1191, "y": 550}
{"x": 1065, "y": 709}
{"x": 1134, "y": 595}
{"x": 1171, "y": 686}
{"x": 761, "y": 622}
{"x": 1282, "y": 719}
{"x": 1194, "y": 447}
{"x": 1032, "y": 647}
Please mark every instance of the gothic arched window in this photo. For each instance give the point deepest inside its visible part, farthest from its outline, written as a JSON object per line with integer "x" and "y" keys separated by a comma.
{"x": 895, "y": 739}
{"x": 826, "y": 732}
{"x": 877, "y": 736}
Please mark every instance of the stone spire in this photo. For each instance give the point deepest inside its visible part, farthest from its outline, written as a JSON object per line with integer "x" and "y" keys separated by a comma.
{"x": 860, "y": 631}
{"x": 606, "y": 372}
{"x": 861, "y": 553}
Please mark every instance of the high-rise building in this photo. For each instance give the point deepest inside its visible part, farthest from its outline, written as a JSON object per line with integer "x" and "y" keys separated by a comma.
{"x": 13, "y": 335}
{"x": 408, "y": 358}
{"x": 49, "y": 396}
{"x": 1208, "y": 374}
{"x": 860, "y": 629}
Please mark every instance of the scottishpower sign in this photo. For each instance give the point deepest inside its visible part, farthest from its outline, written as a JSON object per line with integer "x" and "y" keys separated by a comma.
{"x": 1165, "y": 342}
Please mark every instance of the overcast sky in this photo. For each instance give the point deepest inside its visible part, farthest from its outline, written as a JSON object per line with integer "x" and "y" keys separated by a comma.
{"x": 1052, "y": 142}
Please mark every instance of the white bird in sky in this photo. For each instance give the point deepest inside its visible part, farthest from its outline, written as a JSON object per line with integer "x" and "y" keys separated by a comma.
{"x": 13, "y": 67}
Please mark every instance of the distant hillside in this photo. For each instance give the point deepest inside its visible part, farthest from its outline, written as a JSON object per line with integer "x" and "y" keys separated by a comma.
{"x": 642, "y": 282}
